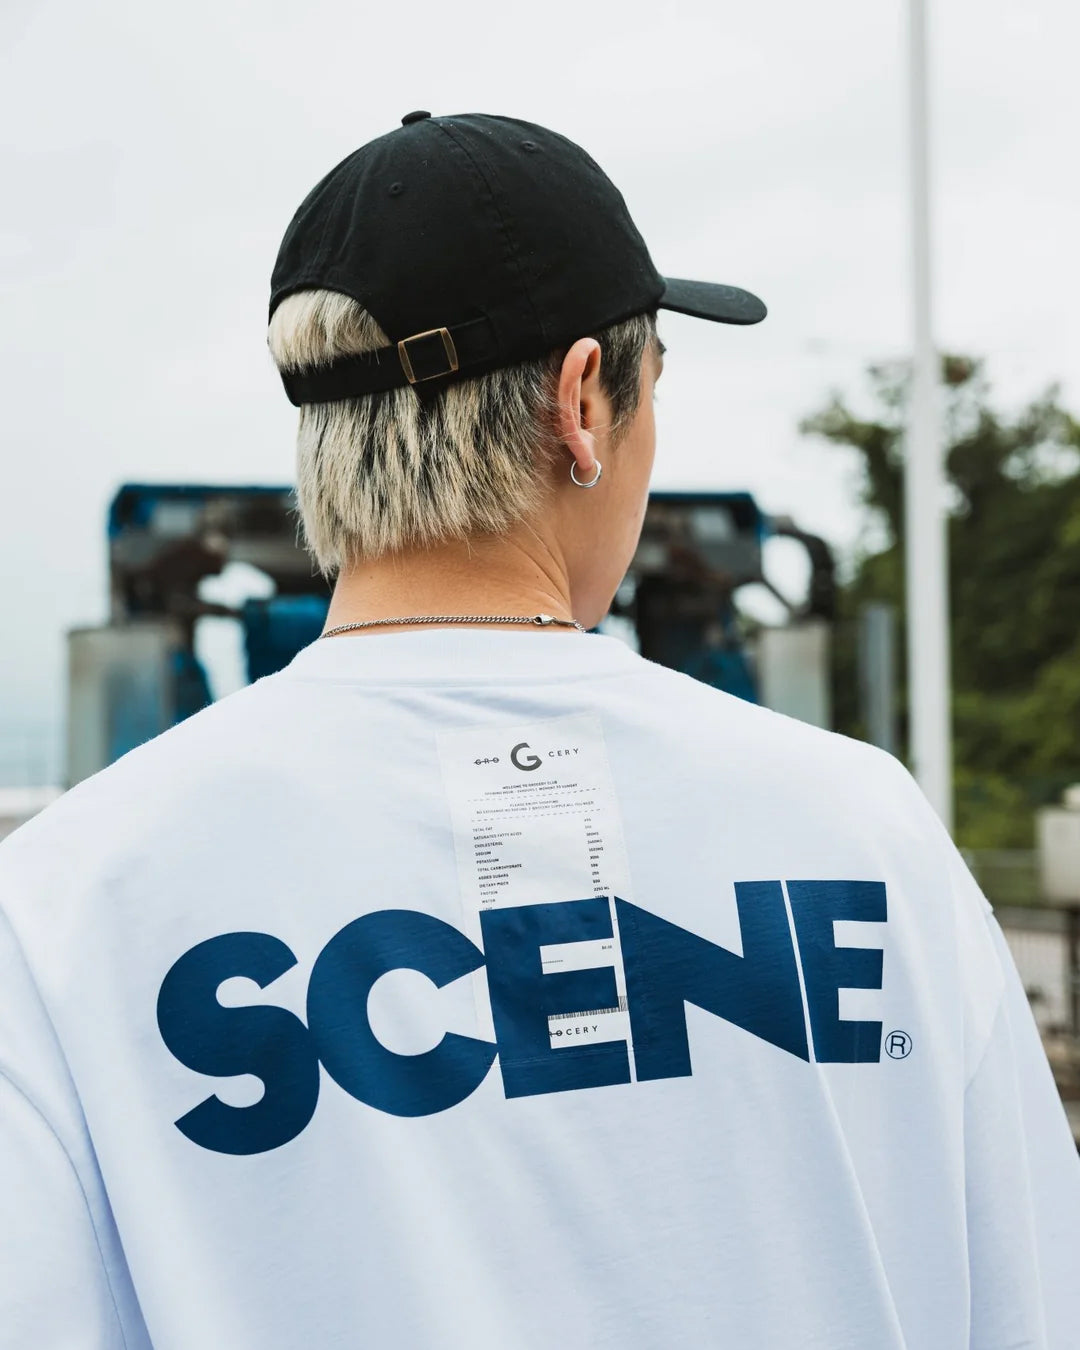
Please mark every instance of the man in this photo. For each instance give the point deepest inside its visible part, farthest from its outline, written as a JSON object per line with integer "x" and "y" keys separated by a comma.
{"x": 474, "y": 981}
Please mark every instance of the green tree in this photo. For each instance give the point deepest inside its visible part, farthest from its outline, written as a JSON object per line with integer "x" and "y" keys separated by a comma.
{"x": 1014, "y": 547}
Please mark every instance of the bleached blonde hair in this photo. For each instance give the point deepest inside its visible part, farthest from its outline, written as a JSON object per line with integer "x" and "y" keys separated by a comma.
{"x": 404, "y": 469}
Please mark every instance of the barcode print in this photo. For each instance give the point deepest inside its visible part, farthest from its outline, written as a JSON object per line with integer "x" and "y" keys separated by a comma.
{"x": 591, "y": 1012}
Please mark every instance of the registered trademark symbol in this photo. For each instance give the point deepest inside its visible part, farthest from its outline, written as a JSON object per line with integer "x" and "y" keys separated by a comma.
{"x": 898, "y": 1045}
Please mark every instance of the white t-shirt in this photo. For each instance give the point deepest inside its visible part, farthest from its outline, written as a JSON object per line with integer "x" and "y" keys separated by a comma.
{"x": 473, "y": 988}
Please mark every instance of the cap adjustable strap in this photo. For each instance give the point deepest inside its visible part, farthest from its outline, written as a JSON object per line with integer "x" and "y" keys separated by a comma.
{"x": 423, "y": 356}
{"x": 406, "y": 346}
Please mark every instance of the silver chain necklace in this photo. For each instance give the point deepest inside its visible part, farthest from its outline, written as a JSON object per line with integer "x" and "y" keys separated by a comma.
{"x": 542, "y": 620}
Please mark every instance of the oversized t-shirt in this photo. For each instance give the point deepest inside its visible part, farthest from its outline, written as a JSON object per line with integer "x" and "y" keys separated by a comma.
{"x": 471, "y": 988}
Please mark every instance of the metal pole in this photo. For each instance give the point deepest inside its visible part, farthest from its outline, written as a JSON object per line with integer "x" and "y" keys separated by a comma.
{"x": 925, "y": 560}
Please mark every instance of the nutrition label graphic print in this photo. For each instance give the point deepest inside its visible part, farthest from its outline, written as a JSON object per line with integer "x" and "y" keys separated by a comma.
{"x": 536, "y": 821}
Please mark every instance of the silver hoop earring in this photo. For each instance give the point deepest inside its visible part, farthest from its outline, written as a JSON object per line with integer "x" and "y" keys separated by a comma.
{"x": 592, "y": 482}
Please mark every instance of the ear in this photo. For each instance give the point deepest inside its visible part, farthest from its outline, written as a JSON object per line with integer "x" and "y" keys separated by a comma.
{"x": 583, "y": 407}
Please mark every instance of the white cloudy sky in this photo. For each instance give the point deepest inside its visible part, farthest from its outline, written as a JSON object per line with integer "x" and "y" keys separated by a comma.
{"x": 151, "y": 156}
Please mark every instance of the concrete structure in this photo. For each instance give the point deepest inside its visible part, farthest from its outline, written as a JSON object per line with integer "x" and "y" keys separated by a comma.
{"x": 18, "y": 804}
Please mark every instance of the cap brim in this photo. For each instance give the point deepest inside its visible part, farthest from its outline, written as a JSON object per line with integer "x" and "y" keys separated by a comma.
{"x": 707, "y": 300}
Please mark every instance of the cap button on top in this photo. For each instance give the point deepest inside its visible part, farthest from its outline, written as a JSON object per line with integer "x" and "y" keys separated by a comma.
{"x": 412, "y": 117}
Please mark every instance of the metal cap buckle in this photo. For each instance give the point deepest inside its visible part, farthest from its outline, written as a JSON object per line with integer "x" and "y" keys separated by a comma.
{"x": 448, "y": 348}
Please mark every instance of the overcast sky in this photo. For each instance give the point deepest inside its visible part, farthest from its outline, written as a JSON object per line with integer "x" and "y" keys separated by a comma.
{"x": 152, "y": 156}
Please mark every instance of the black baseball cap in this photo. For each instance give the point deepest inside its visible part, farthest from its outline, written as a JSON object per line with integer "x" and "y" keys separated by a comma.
{"x": 475, "y": 242}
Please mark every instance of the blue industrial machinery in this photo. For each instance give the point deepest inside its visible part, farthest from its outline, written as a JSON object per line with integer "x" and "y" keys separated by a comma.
{"x": 697, "y": 549}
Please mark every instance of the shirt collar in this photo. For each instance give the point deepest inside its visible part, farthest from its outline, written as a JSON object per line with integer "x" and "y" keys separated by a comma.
{"x": 458, "y": 655}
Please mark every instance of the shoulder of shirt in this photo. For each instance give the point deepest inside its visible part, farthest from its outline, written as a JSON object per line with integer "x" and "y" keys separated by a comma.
{"x": 100, "y": 817}
{"x": 830, "y": 776}
{"x": 787, "y": 740}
